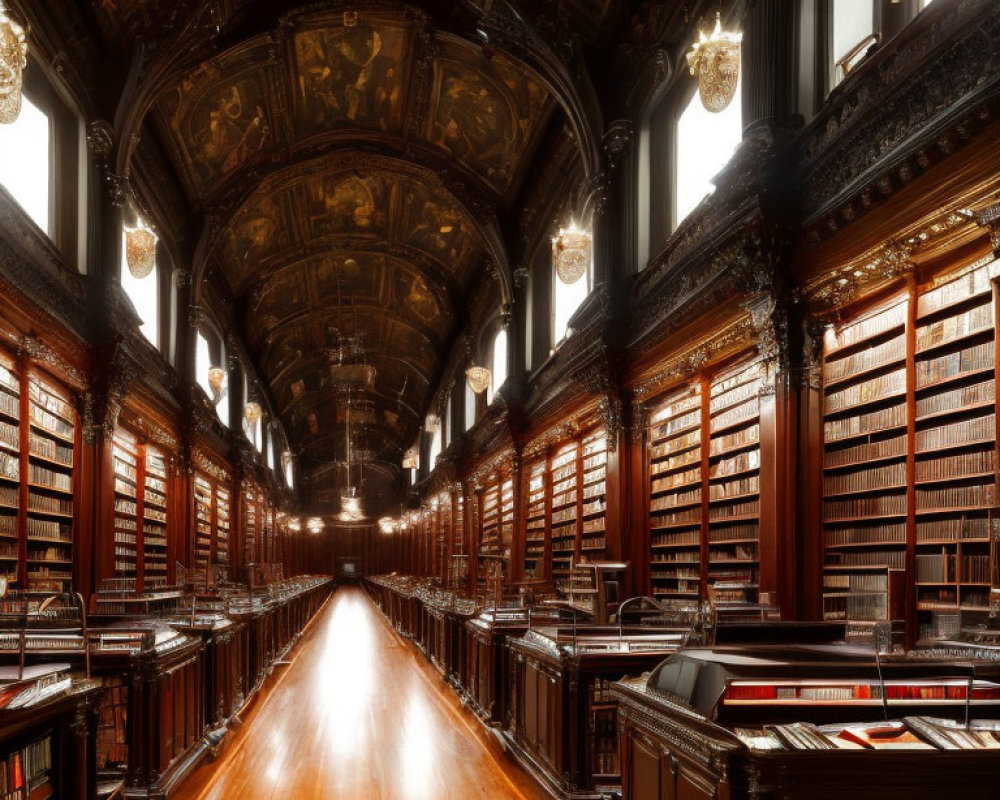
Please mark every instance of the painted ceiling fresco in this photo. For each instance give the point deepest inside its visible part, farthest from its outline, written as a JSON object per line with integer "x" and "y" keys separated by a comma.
{"x": 342, "y": 152}
{"x": 348, "y": 82}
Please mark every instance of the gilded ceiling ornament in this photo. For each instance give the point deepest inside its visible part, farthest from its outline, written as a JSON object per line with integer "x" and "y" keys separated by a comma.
{"x": 571, "y": 253}
{"x": 140, "y": 251}
{"x": 715, "y": 60}
{"x": 13, "y": 59}
{"x": 478, "y": 378}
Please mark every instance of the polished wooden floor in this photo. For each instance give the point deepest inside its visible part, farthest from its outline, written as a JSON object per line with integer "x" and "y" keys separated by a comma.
{"x": 359, "y": 714}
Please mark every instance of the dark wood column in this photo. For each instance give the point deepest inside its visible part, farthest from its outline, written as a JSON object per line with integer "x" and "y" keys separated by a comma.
{"x": 769, "y": 49}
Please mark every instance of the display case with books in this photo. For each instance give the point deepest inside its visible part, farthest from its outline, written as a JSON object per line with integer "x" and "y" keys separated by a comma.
{"x": 809, "y": 721}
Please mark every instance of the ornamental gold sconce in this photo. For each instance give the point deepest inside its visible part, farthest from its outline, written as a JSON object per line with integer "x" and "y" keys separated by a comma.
{"x": 478, "y": 378}
{"x": 13, "y": 60}
{"x": 140, "y": 251}
{"x": 715, "y": 60}
{"x": 411, "y": 460}
{"x": 217, "y": 383}
{"x": 571, "y": 251}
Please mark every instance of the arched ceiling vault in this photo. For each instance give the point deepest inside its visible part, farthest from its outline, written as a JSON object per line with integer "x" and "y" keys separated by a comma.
{"x": 351, "y": 165}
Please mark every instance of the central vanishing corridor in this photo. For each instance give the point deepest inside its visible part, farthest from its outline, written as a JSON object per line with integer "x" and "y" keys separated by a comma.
{"x": 359, "y": 714}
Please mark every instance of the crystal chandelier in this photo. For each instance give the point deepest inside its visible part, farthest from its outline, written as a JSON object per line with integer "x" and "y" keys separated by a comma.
{"x": 433, "y": 423}
{"x": 295, "y": 525}
{"x": 571, "y": 253}
{"x": 715, "y": 60}
{"x": 478, "y": 378}
{"x": 217, "y": 382}
{"x": 13, "y": 59}
{"x": 140, "y": 251}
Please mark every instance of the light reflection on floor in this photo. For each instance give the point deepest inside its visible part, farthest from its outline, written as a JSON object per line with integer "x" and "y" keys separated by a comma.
{"x": 359, "y": 716}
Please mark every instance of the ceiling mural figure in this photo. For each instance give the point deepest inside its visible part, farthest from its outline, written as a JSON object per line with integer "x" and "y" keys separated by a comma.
{"x": 351, "y": 76}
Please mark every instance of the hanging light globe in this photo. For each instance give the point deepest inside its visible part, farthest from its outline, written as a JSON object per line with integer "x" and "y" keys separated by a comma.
{"x": 252, "y": 412}
{"x": 216, "y": 382}
{"x": 13, "y": 59}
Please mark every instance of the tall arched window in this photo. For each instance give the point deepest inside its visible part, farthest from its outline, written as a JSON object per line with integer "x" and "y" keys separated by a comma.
{"x": 209, "y": 353}
{"x": 705, "y": 143}
{"x": 447, "y": 423}
{"x": 270, "y": 452}
{"x": 498, "y": 364}
{"x": 27, "y": 176}
{"x": 144, "y": 294}
{"x": 435, "y": 449}
{"x": 853, "y": 22}
{"x": 566, "y": 299}
{"x": 470, "y": 406}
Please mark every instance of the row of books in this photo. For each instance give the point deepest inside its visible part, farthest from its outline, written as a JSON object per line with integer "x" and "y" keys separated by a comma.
{"x": 866, "y": 423}
{"x": 10, "y": 466}
{"x": 677, "y": 480}
{"x": 874, "y": 506}
{"x": 974, "y": 429}
{"x": 856, "y": 582}
{"x": 980, "y": 494}
{"x": 732, "y": 441}
{"x": 871, "y": 358}
{"x": 976, "y": 462}
{"x": 956, "y": 399}
{"x": 692, "y": 537}
{"x": 955, "y": 326}
{"x": 723, "y": 397}
{"x": 44, "y": 503}
{"x": 748, "y": 409}
{"x": 50, "y": 448}
{"x": 868, "y": 607}
{"x": 748, "y": 508}
{"x": 10, "y": 435}
{"x": 975, "y": 282}
{"x": 740, "y": 462}
{"x": 895, "y": 532}
{"x": 876, "y": 477}
{"x": 732, "y": 488}
{"x": 952, "y": 529}
{"x": 51, "y": 423}
{"x": 10, "y": 405}
{"x": 879, "y": 388}
{"x": 690, "y": 516}
{"x": 874, "y": 325}
{"x": 893, "y": 559}
{"x": 971, "y": 359}
{"x": 678, "y": 445}
{"x": 860, "y": 453}
{"x": 676, "y": 500}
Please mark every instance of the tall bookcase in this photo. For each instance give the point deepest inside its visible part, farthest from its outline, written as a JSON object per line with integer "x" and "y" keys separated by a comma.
{"x": 865, "y": 496}
{"x": 222, "y": 526}
{"x": 128, "y": 476}
{"x": 564, "y": 511}
{"x": 154, "y": 520}
{"x": 251, "y": 533}
{"x": 490, "y": 542}
{"x": 536, "y": 522}
{"x": 910, "y": 472}
{"x": 51, "y": 439}
{"x": 203, "y": 518}
{"x": 593, "y": 495}
{"x": 955, "y": 449}
{"x": 704, "y": 462}
{"x": 37, "y": 463}
{"x": 734, "y": 484}
{"x": 675, "y": 494}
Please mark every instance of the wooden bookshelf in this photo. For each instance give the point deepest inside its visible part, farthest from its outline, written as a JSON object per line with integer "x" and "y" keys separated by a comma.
{"x": 564, "y": 511}
{"x": 593, "y": 495}
{"x": 204, "y": 520}
{"x": 10, "y": 477}
{"x": 490, "y": 542}
{"x": 48, "y": 468}
{"x": 734, "y": 484}
{"x": 865, "y": 423}
{"x": 955, "y": 449}
{"x": 154, "y": 519}
{"x": 536, "y": 521}
{"x": 128, "y": 474}
{"x": 251, "y": 533}
{"x": 675, "y": 494}
{"x": 222, "y": 526}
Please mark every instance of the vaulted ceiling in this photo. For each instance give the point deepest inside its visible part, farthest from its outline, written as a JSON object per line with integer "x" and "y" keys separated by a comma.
{"x": 360, "y": 165}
